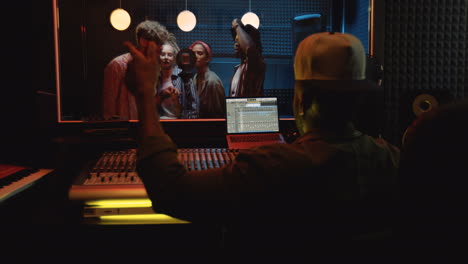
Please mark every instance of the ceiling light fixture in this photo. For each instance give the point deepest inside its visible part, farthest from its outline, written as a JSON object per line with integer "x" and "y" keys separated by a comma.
{"x": 120, "y": 19}
{"x": 250, "y": 18}
{"x": 186, "y": 20}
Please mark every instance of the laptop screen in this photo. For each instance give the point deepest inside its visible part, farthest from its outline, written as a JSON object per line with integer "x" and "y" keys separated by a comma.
{"x": 252, "y": 114}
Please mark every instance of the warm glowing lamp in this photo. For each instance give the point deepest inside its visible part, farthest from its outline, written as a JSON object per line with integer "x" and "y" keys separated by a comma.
{"x": 251, "y": 18}
{"x": 120, "y": 19}
{"x": 186, "y": 20}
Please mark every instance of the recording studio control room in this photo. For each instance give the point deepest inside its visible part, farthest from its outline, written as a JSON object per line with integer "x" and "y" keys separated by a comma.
{"x": 236, "y": 131}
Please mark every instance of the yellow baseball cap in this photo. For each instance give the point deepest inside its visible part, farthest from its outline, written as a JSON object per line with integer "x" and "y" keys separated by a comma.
{"x": 333, "y": 60}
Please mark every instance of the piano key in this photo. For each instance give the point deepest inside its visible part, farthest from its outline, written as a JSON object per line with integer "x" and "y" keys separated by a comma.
{"x": 21, "y": 184}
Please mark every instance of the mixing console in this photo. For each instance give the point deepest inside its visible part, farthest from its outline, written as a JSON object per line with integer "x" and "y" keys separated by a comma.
{"x": 114, "y": 173}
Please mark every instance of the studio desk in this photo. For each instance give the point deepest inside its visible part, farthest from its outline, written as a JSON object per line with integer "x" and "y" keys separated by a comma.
{"x": 107, "y": 186}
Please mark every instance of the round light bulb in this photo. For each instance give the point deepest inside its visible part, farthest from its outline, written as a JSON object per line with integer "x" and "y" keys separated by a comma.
{"x": 251, "y": 18}
{"x": 186, "y": 20}
{"x": 120, "y": 19}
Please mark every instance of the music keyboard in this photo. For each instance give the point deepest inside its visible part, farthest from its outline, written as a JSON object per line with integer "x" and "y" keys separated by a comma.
{"x": 16, "y": 179}
{"x": 114, "y": 174}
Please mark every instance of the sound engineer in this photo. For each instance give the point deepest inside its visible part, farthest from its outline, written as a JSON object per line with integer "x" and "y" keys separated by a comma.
{"x": 334, "y": 184}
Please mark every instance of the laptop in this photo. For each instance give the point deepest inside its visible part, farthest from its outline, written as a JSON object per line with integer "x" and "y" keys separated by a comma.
{"x": 252, "y": 121}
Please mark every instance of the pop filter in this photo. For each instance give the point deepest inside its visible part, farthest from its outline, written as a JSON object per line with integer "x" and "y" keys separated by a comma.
{"x": 186, "y": 60}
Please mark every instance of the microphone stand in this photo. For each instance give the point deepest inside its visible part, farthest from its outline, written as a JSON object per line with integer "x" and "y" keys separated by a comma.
{"x": 186, "y": 60}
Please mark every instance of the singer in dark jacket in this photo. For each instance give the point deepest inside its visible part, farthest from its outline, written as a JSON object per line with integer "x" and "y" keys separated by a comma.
{"x": 249, "y": 75}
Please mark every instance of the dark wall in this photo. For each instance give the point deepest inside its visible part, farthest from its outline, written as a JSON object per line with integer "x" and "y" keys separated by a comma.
{"x": 425, "y": 53}
{"x": 28, "y": 86}
{"x": 356, "y": 20}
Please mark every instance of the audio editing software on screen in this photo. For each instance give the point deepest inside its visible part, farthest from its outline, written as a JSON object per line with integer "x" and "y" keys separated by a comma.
{"x": 247, "y": 115}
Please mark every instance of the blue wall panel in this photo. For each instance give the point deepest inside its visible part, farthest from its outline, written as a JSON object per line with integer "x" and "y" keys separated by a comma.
{"x": 357, "y": 20}
{"x": 214, "y": 21}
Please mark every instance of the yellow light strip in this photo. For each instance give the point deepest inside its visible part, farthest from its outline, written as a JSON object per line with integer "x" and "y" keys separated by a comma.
{"x": 144, "y": 218}
{"x": 119, "y": 203}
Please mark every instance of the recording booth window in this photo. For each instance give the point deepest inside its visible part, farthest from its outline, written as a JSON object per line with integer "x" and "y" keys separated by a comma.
{"x": 84, "y": 46}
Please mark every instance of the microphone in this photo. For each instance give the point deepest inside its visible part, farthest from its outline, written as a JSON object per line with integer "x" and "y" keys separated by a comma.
{"x": 186, "y": 60}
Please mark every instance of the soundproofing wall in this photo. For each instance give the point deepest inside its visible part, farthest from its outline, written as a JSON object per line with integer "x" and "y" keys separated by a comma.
{"x": 356, "y": 20}
{"x": 214, "y": 21}
{"x": 425, "y": 53}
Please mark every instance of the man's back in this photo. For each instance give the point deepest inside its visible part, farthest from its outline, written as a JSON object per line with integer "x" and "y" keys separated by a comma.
{"x": 332, "y": 187}
{"x": 317, "y": 189}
